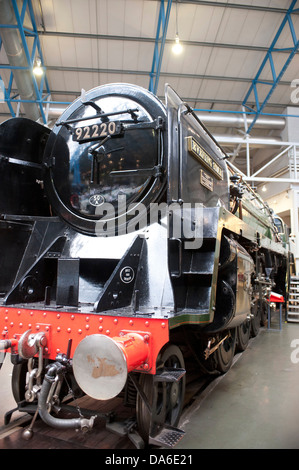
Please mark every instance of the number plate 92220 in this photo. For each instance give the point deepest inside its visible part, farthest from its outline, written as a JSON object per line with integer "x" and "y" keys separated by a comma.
{"x": 97, "y": 131}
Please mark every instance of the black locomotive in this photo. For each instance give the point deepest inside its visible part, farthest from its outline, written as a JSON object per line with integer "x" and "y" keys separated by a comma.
{"x": 128, "y": 243}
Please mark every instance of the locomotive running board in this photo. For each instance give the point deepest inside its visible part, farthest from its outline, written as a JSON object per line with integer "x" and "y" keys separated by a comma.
{"x": 168, "y": 437}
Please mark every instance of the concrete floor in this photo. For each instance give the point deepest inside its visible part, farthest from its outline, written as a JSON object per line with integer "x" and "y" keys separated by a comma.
{"x": 254, "y": 406}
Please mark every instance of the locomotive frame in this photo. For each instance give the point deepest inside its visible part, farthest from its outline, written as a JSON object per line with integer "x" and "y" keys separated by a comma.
{"x": 97, "y": 299}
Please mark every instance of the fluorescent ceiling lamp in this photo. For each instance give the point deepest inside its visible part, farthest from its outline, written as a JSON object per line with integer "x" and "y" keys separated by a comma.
{"x": 37, "y": 70}
{"x": 177, "y": 47}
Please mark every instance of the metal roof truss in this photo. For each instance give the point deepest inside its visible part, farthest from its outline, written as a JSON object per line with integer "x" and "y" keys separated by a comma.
{"x": 269, "y": 60}
{"x": 25, "y": 32}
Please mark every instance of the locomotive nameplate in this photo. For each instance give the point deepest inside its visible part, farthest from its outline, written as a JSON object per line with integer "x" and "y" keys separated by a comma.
{"x": 206, "y": 180}
{"x": 197, "y": 151}
{"x": 97, "y": 131}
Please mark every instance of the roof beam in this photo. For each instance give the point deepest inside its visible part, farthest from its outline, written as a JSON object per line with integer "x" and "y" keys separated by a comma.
{"x": 239, "y": 6}
{"x": 165, "y": 74}
{"x": 187, "y": 99}
{"x": 108, "y": 37}
{"x": 269, "y": 59}
{"x": 162, "y": 26}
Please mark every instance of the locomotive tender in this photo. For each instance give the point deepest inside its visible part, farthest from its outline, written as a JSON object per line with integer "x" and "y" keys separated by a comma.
{"x": 128, "y": 242}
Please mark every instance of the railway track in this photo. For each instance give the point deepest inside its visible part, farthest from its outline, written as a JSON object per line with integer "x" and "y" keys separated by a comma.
{"x": 108, "y": 431}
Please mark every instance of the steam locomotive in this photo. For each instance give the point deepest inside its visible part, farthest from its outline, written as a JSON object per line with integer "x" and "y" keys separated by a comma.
{"x": 128, "y": 242}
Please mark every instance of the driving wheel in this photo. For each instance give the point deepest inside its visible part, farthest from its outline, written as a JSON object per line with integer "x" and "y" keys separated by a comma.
{"x": 243, "y": 335}
{"x": 225, "y": 353}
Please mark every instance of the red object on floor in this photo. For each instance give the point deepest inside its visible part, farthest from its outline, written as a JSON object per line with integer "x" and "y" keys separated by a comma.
{"x": 276, "y": 297}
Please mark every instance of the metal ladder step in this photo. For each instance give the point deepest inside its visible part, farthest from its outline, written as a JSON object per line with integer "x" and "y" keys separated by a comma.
{"x": 293, "y": 317}
{"x": 168, "y": 437}
{"x": 169, "y": 375}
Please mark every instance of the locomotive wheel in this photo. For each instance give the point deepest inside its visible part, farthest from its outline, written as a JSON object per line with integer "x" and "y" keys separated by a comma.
{"x": 224, "y": 355}
{"x": 255, "y": 319}
{"x": 243, "y": 335}
{"x": 166, "y": 399}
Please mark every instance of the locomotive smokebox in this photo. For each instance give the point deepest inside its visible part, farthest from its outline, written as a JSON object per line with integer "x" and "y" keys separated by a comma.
{"x": 101, "y": 364}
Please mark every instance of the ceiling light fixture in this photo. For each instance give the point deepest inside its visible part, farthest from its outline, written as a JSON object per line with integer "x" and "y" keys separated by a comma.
{"x": 177, "y": 47}
{"x": 38, "y": 70}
